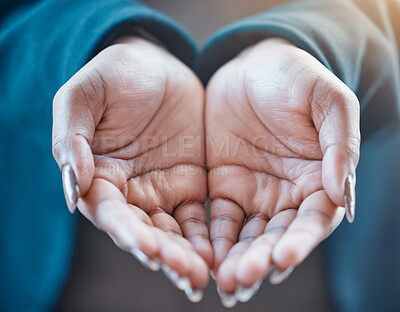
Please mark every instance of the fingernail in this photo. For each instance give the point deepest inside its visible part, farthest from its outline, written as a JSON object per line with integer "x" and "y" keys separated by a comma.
{"x": 212, "y": 275}
{"x": 181, "y": 283}
{"x": 276, "y": 277}
{"x": 244, "y": 294}
{"x": 70, "y": 186}
{"x": 350, "y": 198}
{"x": 194, "y": 295}
{"x": 147, "y": 262}
{"x": 227, "y": 300}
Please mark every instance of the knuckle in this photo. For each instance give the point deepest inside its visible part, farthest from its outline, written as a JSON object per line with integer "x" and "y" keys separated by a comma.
{"x": 84, "y": 88}
{"x": 225, "y": 218}
{"x": 352, "y": 150}
{"x": 349, "y": 149}
{"x": 90, "y": 89}
{"x": 351, "y": 99}
{"x": 56, "y": 149}
{"x": 60, "y": 95}
{"x": 328, "y": 93}
{"x": 347, "y": 101}
{"x": 293, "y": 253}
{"x": 342, "y": 95}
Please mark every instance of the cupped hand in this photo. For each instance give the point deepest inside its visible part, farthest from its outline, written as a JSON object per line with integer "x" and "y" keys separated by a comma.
{"x": 128, "y": 136}
{"x": 282, "y": 147}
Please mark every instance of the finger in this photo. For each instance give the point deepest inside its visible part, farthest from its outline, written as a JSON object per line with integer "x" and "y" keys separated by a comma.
{"x": 141, "y": 214}
{"x": 105, "y": 207}
{"x": 255, "y": 263}
{"x": 164, "y": 221}
{"x": 172, "y": 252}
{"x": 151, "y": 264}
{"x": 77, "y": 109}
{"x": 253, "y": 228}
{"x": 336, "y": 115}
{"x": 199, "y": 273}
{"x": 226, "y": 278}
{"x": 316, "y": 219}
{"x": 226, "y": 219}
{"x": 178, "y": 252}
{"x": 198, "y": 270}
{"x": 192, "y": 219}
{"x": 181, "y": 264}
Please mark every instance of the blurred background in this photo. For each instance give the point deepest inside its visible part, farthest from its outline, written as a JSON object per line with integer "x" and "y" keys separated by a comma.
{"x": 104, "y": 278}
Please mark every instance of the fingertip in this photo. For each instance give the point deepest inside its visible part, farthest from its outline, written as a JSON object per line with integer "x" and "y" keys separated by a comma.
{"x": 200, "y": 274}
{"x": 285, "y": 255}
{"x": 133, "y": 235}
{"x": 250, "y": 270}
{"x": 147, "y": 242}
{"x": 204, "y": 249}
{"x": 226, "y": 278}
{"x": 175, "y": 257}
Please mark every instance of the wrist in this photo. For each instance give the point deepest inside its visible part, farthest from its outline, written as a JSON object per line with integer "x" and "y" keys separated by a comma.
{"x": 136, "y": 34}
{"x": 267, "y": 45}
{"x": 137, "y": 44}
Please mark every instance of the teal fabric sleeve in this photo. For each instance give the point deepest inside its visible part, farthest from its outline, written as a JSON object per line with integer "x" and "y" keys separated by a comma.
{"x": 42, "y": 44}
{"x": 358, "y": 40}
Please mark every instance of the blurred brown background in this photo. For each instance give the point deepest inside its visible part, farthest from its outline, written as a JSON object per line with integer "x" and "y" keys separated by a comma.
{"x": 104, "y": 278}
{"x": 203, "y": 17}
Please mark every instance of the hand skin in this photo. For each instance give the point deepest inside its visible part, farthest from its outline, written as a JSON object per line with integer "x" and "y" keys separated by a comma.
{"x": 130, "y": 123}
{"x": 282, "y": 136}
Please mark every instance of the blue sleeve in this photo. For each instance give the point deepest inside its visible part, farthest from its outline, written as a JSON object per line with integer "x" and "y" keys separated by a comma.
{"x": 42, "y": 44}
{"x": 58, "y": 37}
{"x": 358, "y": 40}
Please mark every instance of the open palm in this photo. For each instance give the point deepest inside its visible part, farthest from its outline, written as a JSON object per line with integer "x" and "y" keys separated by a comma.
{"x": 282, "y": 140}
{"x": 130, "y": 125}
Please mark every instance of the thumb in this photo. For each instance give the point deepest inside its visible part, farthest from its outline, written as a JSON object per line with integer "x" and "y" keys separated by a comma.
{"x": 73, "y": 130}
{"x": 336, "y": 115}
